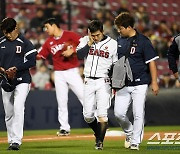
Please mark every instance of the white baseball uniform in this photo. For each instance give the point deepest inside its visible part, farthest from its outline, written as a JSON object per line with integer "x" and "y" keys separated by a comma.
{"x": 97, "y": 90}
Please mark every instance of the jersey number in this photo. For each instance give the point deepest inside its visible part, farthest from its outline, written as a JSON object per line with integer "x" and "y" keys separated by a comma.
{"x": 18, "y": 49}
{"x": 133, "y": 50}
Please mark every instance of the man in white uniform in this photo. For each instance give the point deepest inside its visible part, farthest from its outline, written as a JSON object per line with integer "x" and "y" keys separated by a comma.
{"x": 100, "y": 52}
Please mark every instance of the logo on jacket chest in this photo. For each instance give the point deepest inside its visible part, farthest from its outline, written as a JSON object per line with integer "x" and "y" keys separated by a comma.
{"x": 100, "y": 53}
{"x": 18, "y": 49}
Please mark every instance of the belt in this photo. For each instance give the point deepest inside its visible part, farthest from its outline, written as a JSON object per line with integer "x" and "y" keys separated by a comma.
{"x": 94, "y": 78}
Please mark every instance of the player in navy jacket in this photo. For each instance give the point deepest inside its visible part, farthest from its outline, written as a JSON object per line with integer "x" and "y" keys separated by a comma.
{"x": 173, "y": 55}
{"x": 19, "y": 55}
{"x": 141, "y": 56}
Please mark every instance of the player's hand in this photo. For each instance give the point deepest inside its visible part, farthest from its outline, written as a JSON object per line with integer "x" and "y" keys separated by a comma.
{"x": 11, "y": 72}
{"x": 68, "y": 52}
{"x": 2, "y": 71}
{"x": 91, "y": 41}
{"x": 176, "y": 75}
{"x": 38, "y": 57}
{"x": 155, "y": 88}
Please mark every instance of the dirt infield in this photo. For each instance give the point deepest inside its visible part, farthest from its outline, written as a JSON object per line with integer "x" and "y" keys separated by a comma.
{"x": 37, "y": 138}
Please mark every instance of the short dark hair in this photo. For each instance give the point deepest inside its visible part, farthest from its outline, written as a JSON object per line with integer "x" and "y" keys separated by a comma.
{"x": 124, "y": 19}
{"x": 95, "y": 25}
{"x": 51, "y": 21}
{"x": 8, "y": 25}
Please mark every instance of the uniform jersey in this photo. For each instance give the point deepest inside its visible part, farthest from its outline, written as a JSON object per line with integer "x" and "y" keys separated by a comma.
{"x": 55, "y": 47}
{"x": 19, "y": 53}
{"x": 100, "y": 57}
{"x": 173, "y": 53}
{"x": 140, "y": 54}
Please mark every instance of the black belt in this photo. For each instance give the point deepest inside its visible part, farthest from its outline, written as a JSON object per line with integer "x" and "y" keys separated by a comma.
{"x": 94, "y": 78}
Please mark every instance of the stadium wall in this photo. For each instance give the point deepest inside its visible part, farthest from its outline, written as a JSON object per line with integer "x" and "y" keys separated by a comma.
{"x": 41, "y": 110}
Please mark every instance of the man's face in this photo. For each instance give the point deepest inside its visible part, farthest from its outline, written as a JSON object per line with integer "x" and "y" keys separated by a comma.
{"x": 123, "y": 31}
{"x": 97, "y": 36}
{"x": 11, "y": 36}
{"x": 49, "y": 29}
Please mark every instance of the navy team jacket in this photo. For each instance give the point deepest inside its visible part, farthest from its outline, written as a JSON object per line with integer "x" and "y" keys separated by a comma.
{"x": 19, "y": 53}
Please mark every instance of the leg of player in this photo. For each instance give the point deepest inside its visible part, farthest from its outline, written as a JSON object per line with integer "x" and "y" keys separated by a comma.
{"x": 89, "y": 106}
{"x": 122, "y": 102}
{"x": 75, "y": 83}
{"x": 62, "y": 99}
{"x": 103, "y": 99}
{"x": 101, "y": 129}
{"x": 8, "y": 108}
{"x": 15, "y": 121}
{"x": 138, "y": 96}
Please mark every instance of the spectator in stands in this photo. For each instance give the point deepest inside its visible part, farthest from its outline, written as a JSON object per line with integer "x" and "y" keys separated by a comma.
{"x": 82, "y": 29}
{"x": 35, "y": 23}
{"x": 167, "y": 81}
{"x": 109, "y": 29}
{"x": 101, "y": 4}
{"x": 162, "y": 34}
{"x": 175, "y": 28}
{"x": 22, "y": 17}
{"x": 41, "y": 78}
{"x": 52, "y": 12}
{"x": 142, "y": 14}
{"x": 50, "y": 8}
{"x": 123, "y": 6}
{"x": 58, "y": 16}
{"x": 22, "y": 26}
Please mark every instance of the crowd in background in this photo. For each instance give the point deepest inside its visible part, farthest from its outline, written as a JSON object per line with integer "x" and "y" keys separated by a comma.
{"x": 160, "y": 31}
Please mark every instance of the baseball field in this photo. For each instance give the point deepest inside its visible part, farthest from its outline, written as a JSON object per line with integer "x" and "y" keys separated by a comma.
{"x": 162, "y": 139}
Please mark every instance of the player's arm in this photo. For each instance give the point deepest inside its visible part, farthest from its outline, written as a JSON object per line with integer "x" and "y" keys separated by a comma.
{"x": 71, "y": 49}
{"x": 84, "y": 46}
{"x": 150, "y": 55}
{"x": 153, "y": 72}
{"x": 29, "y": 59}
{"x": 29, "y": 62}
{"x": 173, "y": 56}
{"x": 43, "y": 52}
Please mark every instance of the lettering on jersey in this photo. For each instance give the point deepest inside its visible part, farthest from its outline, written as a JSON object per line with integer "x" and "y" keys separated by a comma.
{"x": 18, "y": 49}
{"x": 56, "y": 48}
{"x": 101, "y": 53}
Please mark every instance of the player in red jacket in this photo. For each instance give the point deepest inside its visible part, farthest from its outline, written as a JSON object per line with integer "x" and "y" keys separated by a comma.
{"x": 61, "y": 45}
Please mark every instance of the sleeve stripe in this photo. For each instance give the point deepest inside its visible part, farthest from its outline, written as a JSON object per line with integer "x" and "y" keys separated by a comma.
{"x": 28, "y": 53}
{"x": 152, "y": 59}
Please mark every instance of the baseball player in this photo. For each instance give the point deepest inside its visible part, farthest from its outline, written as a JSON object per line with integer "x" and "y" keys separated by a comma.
{"x": 173, "y": 55}
{"x": 100, "y": 52}
{"x": 61, "y": 45}
{"x": 142, "y": 58}
{"x": 17, "y": 56}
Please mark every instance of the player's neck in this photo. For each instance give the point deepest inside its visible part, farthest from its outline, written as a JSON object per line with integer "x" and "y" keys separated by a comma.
{"x": 132, "y": 32}
{"x": 58, "y": 32}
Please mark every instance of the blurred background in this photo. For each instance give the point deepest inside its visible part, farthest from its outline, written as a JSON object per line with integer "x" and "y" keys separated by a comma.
{"x": 159, "y": 20}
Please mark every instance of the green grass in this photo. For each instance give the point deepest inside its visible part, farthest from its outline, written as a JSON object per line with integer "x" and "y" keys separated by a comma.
{"x": 85, "y": 146}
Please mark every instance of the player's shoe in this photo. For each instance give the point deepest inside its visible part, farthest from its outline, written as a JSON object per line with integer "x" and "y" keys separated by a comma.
{"x": 99, "y": 145}
{"x": 63, "y": 132}
{"x": 134, "y": 147}
{"x": 127, "y": 142}
{"x": 14, "y": 146}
